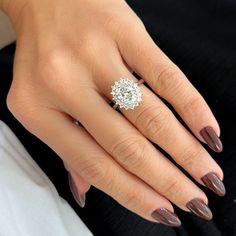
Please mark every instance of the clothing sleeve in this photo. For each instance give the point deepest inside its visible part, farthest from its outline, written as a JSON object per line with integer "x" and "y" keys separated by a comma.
{"x": 7, "y": 34}
{"x": 30, "y": 204}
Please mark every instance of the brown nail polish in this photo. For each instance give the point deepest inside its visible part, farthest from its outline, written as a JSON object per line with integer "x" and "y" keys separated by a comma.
{"x": 79, "y": 198}
{"x": 211, "y": 138}
{"x": 199, "y": 208}
{"x": 213, "y": 182}
{"x": 166, "y": 217}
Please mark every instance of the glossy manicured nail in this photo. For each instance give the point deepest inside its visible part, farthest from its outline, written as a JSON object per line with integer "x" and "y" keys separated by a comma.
{"x": 166, "y": 217}
{"x": 213, "y": 182}
{"x": 79, "y": 198}
{"x": 199, "y": 208}
{"x": 211, "y": 138}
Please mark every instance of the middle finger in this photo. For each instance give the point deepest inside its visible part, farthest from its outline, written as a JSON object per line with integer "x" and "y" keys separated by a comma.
{"x": 156, "y": 122}
{"x": 134, "y": 152}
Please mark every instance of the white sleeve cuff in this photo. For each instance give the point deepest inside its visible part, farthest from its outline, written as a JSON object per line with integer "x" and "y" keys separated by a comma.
{"x": 29, "y": 203}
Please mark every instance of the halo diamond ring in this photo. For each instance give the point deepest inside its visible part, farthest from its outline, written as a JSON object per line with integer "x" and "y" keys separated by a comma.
{"x": 126, "y": 93}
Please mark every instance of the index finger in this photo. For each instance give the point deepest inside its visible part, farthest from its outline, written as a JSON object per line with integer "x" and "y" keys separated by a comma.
{"x": 167, "y": 80}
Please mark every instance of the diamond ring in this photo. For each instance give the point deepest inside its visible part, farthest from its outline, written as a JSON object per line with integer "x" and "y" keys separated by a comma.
{"x": 126, "y": 93}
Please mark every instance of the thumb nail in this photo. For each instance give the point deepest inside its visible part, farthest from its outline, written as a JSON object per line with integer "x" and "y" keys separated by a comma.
{"x": 79, "y": 198}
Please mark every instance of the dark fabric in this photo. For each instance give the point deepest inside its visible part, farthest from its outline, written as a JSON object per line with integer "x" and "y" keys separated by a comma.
{"x": 200, "y": 37}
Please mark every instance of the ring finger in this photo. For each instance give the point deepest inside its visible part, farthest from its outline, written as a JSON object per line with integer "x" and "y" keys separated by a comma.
{"x": 156, "y": 122}
{"x": 133, "y": 151}
{"x": 79, "y": 151}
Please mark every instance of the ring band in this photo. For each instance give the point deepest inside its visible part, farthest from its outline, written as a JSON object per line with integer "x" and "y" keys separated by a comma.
{"x": 126, "y": 93}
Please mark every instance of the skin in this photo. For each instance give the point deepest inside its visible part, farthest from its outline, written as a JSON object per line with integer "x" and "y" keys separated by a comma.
{"x": 68, "y": 55}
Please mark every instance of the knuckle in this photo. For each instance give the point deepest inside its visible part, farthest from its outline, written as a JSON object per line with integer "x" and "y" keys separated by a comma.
{"x": 137, "y": 25}
{"x": 130, "y": 152}
{"x": 94, "y": 172}
{"x": 167, "y": 79}
{"x": 192, "y": 104}
{"x": 119, "y": 23}
{"x": 190, "y": 157}
{"x": 135, "y": 198}
{"x": 90, "y": 50}
{"x": 49, "y": 61}
{"x": 172, "y": 189}
{"x": 113, "y": 20}
{"x": 153, "y": 121}
{"x": 51, "y": 68}
{"x": 19, "y": 104}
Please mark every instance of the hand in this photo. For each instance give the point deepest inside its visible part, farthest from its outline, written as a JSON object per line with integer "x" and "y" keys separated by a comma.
{"x": 68, "y": 55}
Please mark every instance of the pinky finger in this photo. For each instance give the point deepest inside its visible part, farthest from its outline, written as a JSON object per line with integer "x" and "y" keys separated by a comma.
{"x": 78, "y": 186}
{"x": 80, "y": 151}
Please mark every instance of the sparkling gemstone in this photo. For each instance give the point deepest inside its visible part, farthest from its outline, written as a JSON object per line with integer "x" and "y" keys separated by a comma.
{"x": 126, "y": 93}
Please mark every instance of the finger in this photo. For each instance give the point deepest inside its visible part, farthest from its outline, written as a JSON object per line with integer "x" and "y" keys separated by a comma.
{"x": 129, "y": 148}
{"x": 75, "y": 187}
{"x": 77, "y": 148}
{"x": 156, "y": 122}
{"x": 81, "y": 185}
{"x": 166, "y": 79}
{"x": 78, "y": 186}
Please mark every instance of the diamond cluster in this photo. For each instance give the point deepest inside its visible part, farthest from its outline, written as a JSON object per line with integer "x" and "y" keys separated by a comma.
{"x": 126, "y": 93}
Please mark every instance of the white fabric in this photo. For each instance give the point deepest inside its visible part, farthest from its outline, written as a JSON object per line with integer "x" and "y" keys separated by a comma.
{"x": 7, "y": 34}
{"x": 29, "y": 202}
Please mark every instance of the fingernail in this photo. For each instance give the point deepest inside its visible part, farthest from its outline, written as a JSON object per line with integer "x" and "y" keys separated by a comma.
{"x": 211, "y": 138}
{"x": 213, "y": 182}
{"x": 79, "y": 198}
{"x": 166, "y": 217}
{"x": 199, "y": 208}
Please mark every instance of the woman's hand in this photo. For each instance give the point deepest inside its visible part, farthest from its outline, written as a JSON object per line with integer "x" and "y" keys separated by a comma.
{"x": 68, "y": 55}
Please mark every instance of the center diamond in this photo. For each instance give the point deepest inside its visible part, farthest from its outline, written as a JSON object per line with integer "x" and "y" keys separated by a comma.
{"x": 126, "y": 93}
